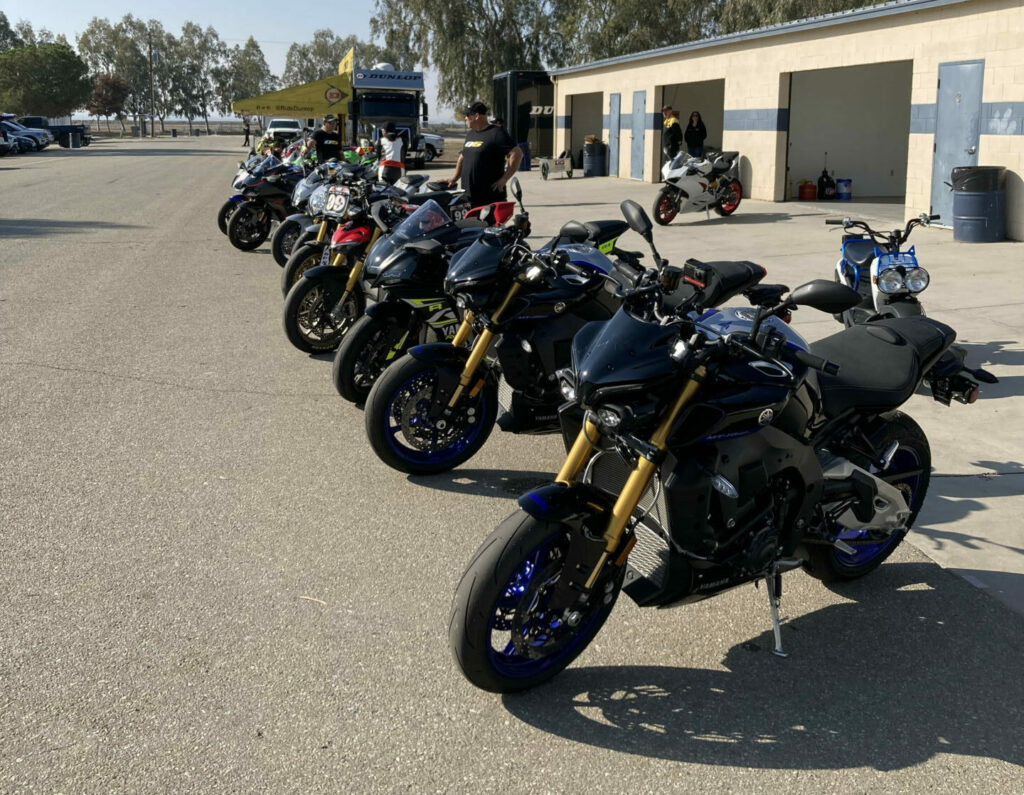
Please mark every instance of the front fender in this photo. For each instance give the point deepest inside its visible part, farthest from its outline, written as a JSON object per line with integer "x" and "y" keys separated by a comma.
{"x": 908, "y": 308}
{"x": 301, "y": 218}
{"x": 557, "y": 502}
{"x": 330, "y": 276}
{"x": 443, "y": 354}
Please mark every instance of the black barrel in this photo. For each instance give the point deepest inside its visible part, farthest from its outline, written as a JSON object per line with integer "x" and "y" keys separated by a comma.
{"x": 979, "y": 204}
{"x": 595, "y": 159}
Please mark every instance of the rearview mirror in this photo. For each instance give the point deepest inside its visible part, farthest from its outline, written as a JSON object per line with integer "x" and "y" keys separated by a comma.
{"x": 516, "y": 189}
{"x": 826, "y": 296}
{"x": 636, "y": 218}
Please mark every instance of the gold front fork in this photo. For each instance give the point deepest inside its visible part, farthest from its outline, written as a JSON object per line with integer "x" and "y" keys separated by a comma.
{"x": 483, "y": 342}
{"x": 579, "y": 453}
{"x": 322, "y": 233}
{"x": 640, "y": 478}
{"x": 465, "y": 329}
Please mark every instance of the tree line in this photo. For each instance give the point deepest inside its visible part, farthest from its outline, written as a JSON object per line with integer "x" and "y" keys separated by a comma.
{"x": 124, "y": 68}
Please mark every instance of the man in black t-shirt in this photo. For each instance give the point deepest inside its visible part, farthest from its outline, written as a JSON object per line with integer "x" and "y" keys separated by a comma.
{"x": 482, "y": 163}
{"x": 326, "y": 140}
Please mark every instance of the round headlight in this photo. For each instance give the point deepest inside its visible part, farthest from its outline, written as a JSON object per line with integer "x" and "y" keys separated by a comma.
{"x": 890, "y": 281}
{"x": 318, "y": 200}
{"x": 916, "y": 279}
{"x": 608, "y": 418}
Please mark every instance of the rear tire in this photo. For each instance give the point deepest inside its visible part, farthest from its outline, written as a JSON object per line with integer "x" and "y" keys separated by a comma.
{"x": 282, "y": 242}
{"x": 247, "y": 231}
{"x": 728, "y": 205}
{"x": 502, "y": 638}
{"x": 666, "y": 206}
{"x": 910, "y": 472}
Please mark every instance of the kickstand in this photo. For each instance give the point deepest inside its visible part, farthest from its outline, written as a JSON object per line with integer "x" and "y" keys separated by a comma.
{"x": 707, "y": 211}
{"x": 774, "y": 583}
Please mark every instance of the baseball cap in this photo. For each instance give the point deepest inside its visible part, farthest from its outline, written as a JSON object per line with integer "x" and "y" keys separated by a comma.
{"x": 476, "y": 107}
{"x": 330, "y": 117}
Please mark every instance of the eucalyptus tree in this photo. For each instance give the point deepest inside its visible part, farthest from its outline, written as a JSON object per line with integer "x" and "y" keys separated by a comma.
{"x": 243, "y": 74}
{"x": 319, "y": 58}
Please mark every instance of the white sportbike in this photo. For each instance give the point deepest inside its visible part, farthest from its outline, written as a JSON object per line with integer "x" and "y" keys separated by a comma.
{"x": 699, "y": 183}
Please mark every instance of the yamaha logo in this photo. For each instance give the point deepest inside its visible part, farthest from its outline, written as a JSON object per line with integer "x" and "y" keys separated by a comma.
{"x": 766, "y": 417}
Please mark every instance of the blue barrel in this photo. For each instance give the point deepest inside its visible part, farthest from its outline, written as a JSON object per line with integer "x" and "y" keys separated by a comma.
{"x": 979, "y": 204}
{"x": 843, "y": 190}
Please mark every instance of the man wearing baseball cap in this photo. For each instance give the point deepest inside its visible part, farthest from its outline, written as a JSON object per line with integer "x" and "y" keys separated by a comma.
{"x": 488, "y": 159}
{"x": 326, "y": 140}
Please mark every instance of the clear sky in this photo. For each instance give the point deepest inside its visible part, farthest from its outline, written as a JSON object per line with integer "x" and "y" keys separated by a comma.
{"x": 273, "y": 23}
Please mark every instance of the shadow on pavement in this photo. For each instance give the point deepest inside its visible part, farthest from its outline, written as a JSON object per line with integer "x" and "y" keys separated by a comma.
{"x": 484, "y": 482}
{"x": 918, "y": 664}
{"x": 42, "y": 227}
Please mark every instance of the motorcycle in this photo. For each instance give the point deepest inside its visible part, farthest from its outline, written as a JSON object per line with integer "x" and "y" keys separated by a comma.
{"x": 698, "y": 183}
{"x": 708, "y": 454}
{"x": 265, "y": 198}
{"x": 290, "y": 230}
{"x": 435, "y": 407}
{"x": 888, "y": 280}
{"x": 245, "y": 169}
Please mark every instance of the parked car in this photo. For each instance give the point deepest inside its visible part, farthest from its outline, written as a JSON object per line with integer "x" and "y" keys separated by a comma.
{"x": 284, "y": 128}
{"x": 61, "y": 132}
{"x": 6, "y": 147}
{"x": 41, "y": 138}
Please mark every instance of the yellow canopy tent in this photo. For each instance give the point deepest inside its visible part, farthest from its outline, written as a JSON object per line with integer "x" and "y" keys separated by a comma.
{"x": 310, "y": 100}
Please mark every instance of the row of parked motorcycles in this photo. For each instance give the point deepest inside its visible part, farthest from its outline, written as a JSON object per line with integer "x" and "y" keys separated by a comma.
{"x": 707, "y": 443}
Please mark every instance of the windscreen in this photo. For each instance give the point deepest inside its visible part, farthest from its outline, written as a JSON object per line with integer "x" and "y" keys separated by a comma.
{"x": 426, "y": 219}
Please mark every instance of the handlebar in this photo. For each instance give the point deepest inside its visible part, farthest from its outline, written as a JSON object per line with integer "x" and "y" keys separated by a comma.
{"x": 812, "y": 361}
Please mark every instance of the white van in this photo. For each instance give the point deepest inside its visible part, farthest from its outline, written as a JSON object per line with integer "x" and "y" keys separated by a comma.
{"x": 284, "y": 127}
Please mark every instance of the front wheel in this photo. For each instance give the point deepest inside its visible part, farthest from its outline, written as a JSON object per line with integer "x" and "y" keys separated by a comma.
{"x": 666, "y": 206}
{"x": 909, "y": 471}
{"x": 301, "y": 260}
{"x": 729, "y": 198}
{"x": 430, "y": 154}
{"x": 370, "y": 347}
{"x": 317, "y": 317}
{"x": 501, "y": 631}
{"x": 227, "y": 209}
{"x": 408, "y": 435}
{"x": 249, "y": 227}
{"x": 283, "y": 240}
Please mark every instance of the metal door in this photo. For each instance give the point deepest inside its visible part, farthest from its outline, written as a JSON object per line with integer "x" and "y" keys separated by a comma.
{"x": 614, "y": 111}
{"x": 636, "y": 148}
{"x": 957, "y": 129}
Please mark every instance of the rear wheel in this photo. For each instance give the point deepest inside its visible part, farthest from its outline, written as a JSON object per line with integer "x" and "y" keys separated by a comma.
{"x": 729, "y": 198}
{"x": 249, "y": 227}
{"x": 315, "y": 316}
{"x": 301, "y": 260}
{"x": 430, "y": 153}
{"x": 909, "y": 471}
{"x": 283, "y": 240}
{"x": 501, "y": 631}
{"x": 666, "y": 206}
{"x": 367, "y": 350}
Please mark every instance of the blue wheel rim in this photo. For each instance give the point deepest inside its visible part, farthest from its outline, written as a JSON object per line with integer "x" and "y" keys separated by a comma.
{"x": 504, "y": 657}
{"x": 442, "y": 455}
{"x": 904, "y": 470}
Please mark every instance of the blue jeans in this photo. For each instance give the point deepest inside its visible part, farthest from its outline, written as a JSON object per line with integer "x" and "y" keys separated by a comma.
{"x": 695, "y": 151}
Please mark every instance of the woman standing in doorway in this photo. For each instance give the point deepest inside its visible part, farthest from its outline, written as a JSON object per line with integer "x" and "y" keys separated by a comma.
{"x": 695, "y": 135}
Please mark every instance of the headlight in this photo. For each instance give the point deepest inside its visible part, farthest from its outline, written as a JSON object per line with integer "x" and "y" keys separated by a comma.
{"x": 609, "y": 418}
{"x": 916, "y": 279}
{"x": 890, "y": 281}
{"x": 318, "y": 200}
{"x": 566, "y": 385}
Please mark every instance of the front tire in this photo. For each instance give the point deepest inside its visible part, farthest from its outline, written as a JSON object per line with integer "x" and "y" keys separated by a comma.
{"x": 367, "y": 350}
{"x": 501, "y": 635}
{"x": 728, "y": 203}
{"x": 301, "y": 260}
{"x": 430, "y": 154}
{"x": 249, "y": 228}
{"x": 227, "y": 209}
{"x": 314, "y": 322}
{"x": 406, "y": 438}
{"x": 910, "y": 472}
{"x": 666, "y": 206}
{"x": 282, "y": 242}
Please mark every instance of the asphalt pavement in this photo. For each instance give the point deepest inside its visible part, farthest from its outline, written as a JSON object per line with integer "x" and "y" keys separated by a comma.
{"x": 209, "y": 583}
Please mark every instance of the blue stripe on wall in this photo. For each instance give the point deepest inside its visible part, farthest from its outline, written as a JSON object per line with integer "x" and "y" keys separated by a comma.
{"x": 563, "y": 122}
{"x": 765, "y": 119}
{"x": 997, "y": 118}
{"x": 922, "y": 118}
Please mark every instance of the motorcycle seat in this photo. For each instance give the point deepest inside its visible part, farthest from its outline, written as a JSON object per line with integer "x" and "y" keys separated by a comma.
{"x": 859, "y": 252}
{"x": 441, "y": 197}
{"x": 880, "y": 363}
{"x": 723, "y": 162}
{"x": 411, "y": 181}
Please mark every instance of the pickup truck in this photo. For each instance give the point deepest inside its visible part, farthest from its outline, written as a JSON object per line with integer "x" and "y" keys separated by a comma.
{"x": 61, "y": 132}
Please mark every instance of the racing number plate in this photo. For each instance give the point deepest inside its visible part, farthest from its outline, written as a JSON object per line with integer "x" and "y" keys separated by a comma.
{"x": 337, "y": 200}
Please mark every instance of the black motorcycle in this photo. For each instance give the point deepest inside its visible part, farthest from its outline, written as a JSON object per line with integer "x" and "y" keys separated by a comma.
{"x": 265, "y": 198}
{"x": 433, "y": 409}
{"x": 708, "y": 454}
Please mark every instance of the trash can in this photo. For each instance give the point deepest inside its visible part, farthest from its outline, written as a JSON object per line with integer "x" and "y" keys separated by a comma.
{"x": 979, "y": 204}
{"x": 135, "y": 131}
{"x": 594, "y": 160}
{"x": 525, "y": 165}
{"x": 64, "y": 139}
{"x": 174, "y": 132}
{"x": 844, "y": 192}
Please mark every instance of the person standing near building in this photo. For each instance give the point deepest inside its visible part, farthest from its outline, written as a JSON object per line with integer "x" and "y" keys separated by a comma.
{"x": 695, "y": 135}
{"x": 245, "y": 129}
{"x": 390, "y": 155}
{"x": 488, "y": 159}
{"x": 671, "y": 134}
{"x": 326, "y": 140}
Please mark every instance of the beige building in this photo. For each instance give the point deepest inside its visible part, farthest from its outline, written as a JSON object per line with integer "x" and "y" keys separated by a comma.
{"x": 891, "y": 97}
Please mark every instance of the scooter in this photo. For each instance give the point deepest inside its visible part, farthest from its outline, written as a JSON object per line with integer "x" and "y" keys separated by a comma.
{"x": 889, "y": 280}
{"x": 699, "y": 183}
